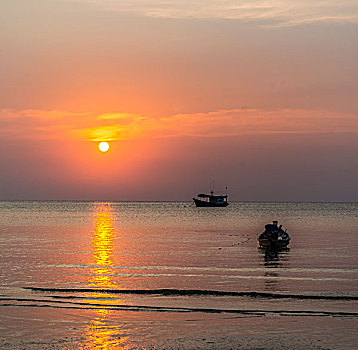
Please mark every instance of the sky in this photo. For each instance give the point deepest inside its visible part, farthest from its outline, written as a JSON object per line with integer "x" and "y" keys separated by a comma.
{"x": 259, "y": 96}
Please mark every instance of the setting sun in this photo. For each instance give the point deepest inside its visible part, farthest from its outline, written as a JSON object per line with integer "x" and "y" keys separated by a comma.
{"x": 103, "y": 146}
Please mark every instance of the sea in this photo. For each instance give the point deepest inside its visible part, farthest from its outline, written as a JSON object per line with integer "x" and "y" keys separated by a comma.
{"x": 168, "y": 275}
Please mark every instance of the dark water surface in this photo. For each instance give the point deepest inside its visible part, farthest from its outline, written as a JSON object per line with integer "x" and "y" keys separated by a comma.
{"x": 169, "y": 275}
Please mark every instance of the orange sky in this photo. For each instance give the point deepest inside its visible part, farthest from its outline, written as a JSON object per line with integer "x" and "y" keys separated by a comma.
{"x": 259, "y": 96}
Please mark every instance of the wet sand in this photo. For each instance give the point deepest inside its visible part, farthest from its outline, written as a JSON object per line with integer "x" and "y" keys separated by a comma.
{"x": 49, "y": 328}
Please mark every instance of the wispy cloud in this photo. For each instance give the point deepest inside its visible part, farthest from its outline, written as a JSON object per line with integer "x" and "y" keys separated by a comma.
{"x": 269, "y": 12}
{"x": 238, "y": 122}
{"x": 39, "y": 124}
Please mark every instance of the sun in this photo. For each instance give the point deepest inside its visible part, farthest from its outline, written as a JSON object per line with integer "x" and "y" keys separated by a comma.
{"x": 103, "y": 146}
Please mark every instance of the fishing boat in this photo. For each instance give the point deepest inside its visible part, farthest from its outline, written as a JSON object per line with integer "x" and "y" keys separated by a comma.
{"x": 210, "y": 200}
{"x": 274, "y": 237}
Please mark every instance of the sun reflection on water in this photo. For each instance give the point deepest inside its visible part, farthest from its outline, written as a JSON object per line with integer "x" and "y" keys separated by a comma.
{"x": 99, "y": 334}
{"x": 103, "y": 246}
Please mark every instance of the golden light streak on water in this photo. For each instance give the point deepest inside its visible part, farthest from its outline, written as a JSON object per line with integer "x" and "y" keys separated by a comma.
{"x": 102, "y": 336}
{"x": 99, "y": 334}
{"x": 102, "y": 246}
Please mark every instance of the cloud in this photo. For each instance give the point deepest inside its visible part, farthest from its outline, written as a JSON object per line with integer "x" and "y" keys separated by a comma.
{"x": 272, "y": 12}
{"x": 238, "y": 122}
{"x": 40, "y": 124}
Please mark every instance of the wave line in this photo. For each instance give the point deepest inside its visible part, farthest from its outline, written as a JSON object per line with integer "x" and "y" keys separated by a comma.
{"x": 193, "y": 292}
{"x": 121, "y": 307}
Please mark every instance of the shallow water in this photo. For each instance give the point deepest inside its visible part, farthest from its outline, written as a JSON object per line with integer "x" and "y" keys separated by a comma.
{"x": 167, "y": 274}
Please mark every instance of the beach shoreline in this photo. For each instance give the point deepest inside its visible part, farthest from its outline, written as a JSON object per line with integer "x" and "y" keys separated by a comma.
{"x": 41, "y": 327}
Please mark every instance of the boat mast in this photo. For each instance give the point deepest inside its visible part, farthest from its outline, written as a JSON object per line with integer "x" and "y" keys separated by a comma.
{"x": 212, "y": 187}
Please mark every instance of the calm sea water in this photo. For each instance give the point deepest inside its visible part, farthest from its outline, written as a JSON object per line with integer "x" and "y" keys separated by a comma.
{"x": 167, "y": 274}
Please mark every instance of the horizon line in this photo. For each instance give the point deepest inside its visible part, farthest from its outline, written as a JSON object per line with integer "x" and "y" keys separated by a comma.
{"x": 174, "y": 201}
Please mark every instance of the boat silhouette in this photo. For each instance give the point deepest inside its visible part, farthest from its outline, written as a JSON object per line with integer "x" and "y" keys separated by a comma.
{"x": 274, "y": 237}
{"x": 211, "y": 200}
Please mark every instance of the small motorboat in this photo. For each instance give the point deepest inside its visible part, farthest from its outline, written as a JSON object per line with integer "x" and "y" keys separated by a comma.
{"x": 274, "y": 237}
